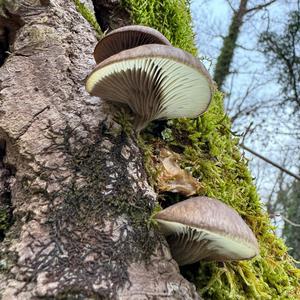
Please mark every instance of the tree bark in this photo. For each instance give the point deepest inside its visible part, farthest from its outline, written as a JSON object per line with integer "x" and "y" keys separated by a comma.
{"x": 75, "y": 180}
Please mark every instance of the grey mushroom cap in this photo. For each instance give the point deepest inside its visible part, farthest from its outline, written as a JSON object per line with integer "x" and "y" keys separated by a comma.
{"x": 156, "y": 81}
{"x": 203, "y": 228}
{"x": 127, "y": 37}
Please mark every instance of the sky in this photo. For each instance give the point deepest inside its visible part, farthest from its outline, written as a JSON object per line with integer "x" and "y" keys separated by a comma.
{"x": 211, "y": 20}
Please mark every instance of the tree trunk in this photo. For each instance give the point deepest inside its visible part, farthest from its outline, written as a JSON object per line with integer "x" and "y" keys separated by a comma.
{"x": 229, "y": 43}
{"x": 72, "y": 183}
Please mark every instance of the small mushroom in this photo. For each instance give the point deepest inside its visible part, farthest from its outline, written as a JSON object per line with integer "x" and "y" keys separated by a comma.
{"x": 203, "y": 228}
{"x": 127, "y": 37}
{"x": 156, "y": 81}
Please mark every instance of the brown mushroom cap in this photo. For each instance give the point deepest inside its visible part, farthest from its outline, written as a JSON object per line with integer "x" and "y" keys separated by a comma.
{"x": 127, "y": 37}
{"x": 156, "y": 81}
{"x": 203, "y": 228}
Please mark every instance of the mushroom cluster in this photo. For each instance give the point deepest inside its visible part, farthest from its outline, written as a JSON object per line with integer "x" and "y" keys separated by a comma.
{"x": 137, "y": 66}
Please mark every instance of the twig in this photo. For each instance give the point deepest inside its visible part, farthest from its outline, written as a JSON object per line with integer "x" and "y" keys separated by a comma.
{"x": 278, "y": 214}
{"x": 270, "y": 162}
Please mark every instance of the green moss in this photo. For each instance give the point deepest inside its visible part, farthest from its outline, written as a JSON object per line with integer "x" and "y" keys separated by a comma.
{"x": 123, "y": 116}
{"x": 208, "y": 148}
{"x": 169, "y": 17}
{"x": 89, "y": 16}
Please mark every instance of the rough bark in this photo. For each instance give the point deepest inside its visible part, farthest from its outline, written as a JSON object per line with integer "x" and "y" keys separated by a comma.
{"x": 75, "y": 180}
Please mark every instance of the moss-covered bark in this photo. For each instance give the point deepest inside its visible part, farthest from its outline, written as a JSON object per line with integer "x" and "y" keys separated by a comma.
{"x": 210, "y": 151}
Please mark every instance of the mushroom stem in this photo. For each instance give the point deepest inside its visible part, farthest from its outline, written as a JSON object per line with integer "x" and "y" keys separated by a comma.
{"x": 180, "y": 245}
{"x": 139, "y": 123}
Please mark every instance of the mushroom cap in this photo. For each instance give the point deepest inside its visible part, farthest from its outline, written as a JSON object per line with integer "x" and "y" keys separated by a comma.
{"x": 203, "y": 228}
{"x": 127, "y": 37}
{"x": 156, "y": 81}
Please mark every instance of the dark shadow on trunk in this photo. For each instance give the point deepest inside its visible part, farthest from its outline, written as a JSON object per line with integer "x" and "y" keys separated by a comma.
{"x": 6, "y": 172}
{"x": 4, "y": 44}
{"x": 9, "y": 25}
{"x": 111, "y": 14}
{"x": 167, "y": 199}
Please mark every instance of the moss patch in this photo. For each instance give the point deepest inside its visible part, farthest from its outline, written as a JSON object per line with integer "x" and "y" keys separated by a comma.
{"x": 171, "y": 17}
{"x": 210, "y": 151}
{"x": 89, "y": 16}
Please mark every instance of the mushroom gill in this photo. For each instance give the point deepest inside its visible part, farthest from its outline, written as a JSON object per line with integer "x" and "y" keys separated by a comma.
{"x": 203, "y": 228}
{"x": 155, "y": 81}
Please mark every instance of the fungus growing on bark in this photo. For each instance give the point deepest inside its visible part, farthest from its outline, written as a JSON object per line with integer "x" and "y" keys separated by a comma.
{"x": 156, "y": 81}
{"x": 203, "y": 228}
{"x": 127, "y": 37}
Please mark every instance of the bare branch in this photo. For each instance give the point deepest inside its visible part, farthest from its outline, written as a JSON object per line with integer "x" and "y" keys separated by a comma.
{"x": 279, "y": 214}
{"x": 271, "y": 162}
{"x": 260, "y": 6}
{"x": 231, "y": 6}
{"x": 245, "y": 48}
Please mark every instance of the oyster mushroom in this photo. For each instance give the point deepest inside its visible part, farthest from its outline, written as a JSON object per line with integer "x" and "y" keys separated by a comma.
{"x": 203, "y": 228}
{"x": 156, "y": 81}
{"x": 127, "y": 37}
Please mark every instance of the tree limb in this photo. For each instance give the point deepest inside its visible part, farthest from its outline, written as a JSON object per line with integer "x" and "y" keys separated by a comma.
{"x": 260, "y": 6}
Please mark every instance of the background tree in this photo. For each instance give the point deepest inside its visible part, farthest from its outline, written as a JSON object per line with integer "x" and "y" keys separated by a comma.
{"x": 289, "y": 198}
{"x": 222, "y": 68}
{"x": 282, "y": 52}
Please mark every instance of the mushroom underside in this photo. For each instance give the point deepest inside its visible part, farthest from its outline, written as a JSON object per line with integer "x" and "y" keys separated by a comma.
{"x": 153, "y": 87}
{"x": 189, "y": 245}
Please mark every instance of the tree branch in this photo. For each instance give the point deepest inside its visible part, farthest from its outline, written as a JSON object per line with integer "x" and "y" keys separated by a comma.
{"x": 271, "y": 162}
{"x": 231, "y": 6}
{"x": 279, "y": 214}
{"x": 260, "y": 6}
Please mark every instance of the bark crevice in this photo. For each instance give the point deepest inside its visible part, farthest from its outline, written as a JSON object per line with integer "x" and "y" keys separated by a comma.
{"x": 9, "y": 25}
{"x": 110, "y": 14}
{"x": 6, "y": 174}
